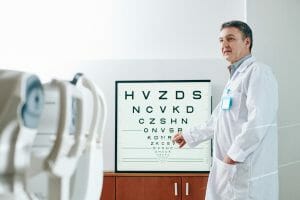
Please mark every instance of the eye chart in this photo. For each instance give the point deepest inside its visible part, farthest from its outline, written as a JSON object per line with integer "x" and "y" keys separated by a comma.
{"x": 149, "y": 113}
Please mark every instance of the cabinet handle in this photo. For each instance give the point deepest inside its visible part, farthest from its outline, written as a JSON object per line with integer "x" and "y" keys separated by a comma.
{"x": 187, "y": 189}
{"x": 175, "y": 189}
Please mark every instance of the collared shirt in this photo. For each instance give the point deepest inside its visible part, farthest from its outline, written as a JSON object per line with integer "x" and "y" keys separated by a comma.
{"x": 233, "y": 67}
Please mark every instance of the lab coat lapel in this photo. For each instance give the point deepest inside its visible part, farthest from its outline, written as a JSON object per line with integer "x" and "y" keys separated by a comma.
{"x": 241, "y": 69}
{"x": 246, "y": 64}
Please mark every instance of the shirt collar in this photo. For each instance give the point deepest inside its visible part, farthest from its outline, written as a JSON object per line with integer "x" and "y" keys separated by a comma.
{"x": 234, "y": 66}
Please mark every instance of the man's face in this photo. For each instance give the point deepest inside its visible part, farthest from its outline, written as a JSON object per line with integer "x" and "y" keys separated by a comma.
{"x": 233, "y": 45}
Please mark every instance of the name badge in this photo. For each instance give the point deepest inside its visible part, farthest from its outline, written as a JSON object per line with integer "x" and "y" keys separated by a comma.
{"x": 226, "y": 101}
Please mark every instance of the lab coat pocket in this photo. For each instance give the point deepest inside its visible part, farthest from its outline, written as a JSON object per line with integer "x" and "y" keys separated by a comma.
{"x": 241, "y": 181}
{"x": 221, "y": 176}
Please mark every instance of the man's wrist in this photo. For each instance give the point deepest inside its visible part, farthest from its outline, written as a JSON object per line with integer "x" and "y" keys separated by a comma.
{"x": 228, "y": 160}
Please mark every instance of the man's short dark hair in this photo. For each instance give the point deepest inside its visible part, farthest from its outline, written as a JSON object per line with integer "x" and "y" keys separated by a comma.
{"x": 243, "y": 27}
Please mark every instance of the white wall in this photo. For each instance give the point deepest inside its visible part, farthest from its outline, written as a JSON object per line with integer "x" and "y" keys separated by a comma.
{"x": 170, "y": 29}
{"x": 37, "y": 32}
{"x": 276, "y": 42}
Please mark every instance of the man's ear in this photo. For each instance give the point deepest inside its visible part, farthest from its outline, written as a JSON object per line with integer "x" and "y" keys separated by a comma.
{"x": 247, "y": 41}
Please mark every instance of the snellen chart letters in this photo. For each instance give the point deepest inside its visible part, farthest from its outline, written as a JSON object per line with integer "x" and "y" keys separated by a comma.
{"x": 161, "y": 94}
{"x": 149, "y": 114}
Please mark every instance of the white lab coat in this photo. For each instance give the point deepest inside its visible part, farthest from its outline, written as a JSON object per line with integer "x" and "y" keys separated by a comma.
{"x": 247, "y": 133}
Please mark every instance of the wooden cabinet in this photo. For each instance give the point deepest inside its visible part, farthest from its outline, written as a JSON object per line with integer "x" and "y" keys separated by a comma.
{"x": 109, "y": 188}
{"x": 137, "y": 188}
{"x": 144, "y": 186}
{"x": 193, "y": 187}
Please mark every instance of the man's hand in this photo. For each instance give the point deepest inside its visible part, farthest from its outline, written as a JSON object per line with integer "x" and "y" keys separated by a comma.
{"x": 228, "y": 160}
{"x": 178, "y": 138}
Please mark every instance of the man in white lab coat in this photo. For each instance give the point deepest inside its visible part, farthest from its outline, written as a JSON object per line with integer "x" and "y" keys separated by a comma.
{"x": 243, "y": 125}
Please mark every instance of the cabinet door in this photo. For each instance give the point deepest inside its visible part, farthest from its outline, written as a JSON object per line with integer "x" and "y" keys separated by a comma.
{"x": 194, "y": 188}
{"x": 108, "y": 189}
{"x": 148, "y": 188}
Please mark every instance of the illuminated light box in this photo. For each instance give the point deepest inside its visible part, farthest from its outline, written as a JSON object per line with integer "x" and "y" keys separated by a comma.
{"x": 149, "y": 113}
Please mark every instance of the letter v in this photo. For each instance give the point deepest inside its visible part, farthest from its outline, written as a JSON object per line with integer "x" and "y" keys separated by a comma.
{"x": 146, "y": 95}
{"x": 163, "y": 108}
